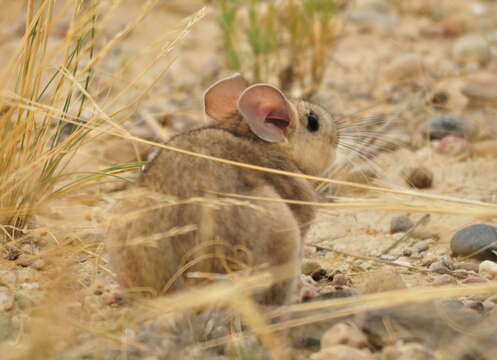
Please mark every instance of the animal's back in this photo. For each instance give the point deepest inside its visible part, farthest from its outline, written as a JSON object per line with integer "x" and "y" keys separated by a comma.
{"x": 227, "y": 236}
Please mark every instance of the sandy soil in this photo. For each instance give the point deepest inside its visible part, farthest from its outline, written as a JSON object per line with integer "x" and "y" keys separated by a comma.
{"x": 363, "y": 78}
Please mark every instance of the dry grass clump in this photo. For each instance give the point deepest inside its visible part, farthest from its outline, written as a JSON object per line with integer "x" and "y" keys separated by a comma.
{"x": 45, "y": 102}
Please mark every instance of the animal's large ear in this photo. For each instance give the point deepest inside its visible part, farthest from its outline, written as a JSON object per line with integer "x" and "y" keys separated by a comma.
{"x": 267, "y": 112}
{"x": 221, "y": 98}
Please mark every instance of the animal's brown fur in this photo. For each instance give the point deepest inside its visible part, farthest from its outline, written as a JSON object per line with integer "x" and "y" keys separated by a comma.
{"x": 273, "y": 236}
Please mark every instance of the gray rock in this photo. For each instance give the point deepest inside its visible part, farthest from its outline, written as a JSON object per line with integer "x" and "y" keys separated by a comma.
{"x": 478, "y": 240}
{"x": 440, "y": 267}
{"x": 400, "y": 223}
{"x": 447, "y": 261}
{"x": 440, "y": 126}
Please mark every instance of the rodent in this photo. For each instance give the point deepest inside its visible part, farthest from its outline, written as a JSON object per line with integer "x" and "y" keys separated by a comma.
{"x": 254, "y": 124}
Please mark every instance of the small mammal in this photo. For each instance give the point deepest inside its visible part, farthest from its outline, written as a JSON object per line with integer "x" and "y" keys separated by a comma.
{"x": 251, "y": 124}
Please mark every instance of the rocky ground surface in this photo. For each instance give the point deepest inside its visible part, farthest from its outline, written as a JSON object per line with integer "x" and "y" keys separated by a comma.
{"x": 429, "y": 70}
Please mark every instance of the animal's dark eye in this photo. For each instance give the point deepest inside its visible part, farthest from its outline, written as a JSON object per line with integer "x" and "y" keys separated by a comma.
{"x": 312, "y": 122}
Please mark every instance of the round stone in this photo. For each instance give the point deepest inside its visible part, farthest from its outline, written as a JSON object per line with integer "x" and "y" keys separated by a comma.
{"x": 419, "y": 178}
{"x": 478, "y": 241}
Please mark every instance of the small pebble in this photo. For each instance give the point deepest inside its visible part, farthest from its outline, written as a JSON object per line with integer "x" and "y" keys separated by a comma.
{"x": 422, "y": 246}
{"x": 306, "y": 289}
{"x": 488, "y": 269}
{"x": 344, "y": 334}
{"x": 6, "y": 299}
{"x": 478, "y": 240}
{"x": 341, "y": 280}
{"x": 440, "y": 126}
{"x": 454, "y": 146}
{"x": 471, "y": 49}
{"x": 478, "y": 9}
{"x": 24, "y": 260}
{"x": 400, "y": 223}
{"x": 439, "y": 267}
{"x": 407, "y": 252}
{"x": 462, "y": 274}
{"x": 114, "y": 298}
{"x": 405, "y": 67}
{"x": 444, "y": 28}
{"x": 447, "y": 261}
{"x": 378, "y": 12}
{"x": 488, "y": 305}
{"x": 419, "y": 178}
{"x": 481, "y": 88}
{"x": 424, "y": 234}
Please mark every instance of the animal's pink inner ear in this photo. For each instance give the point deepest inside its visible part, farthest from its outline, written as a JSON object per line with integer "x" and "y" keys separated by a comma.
{"x": 221, "y": 98}
{"x": 266, "y": 111}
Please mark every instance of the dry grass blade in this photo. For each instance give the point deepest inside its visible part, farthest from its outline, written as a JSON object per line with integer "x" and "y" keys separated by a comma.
{"x": 383, "y": 300}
